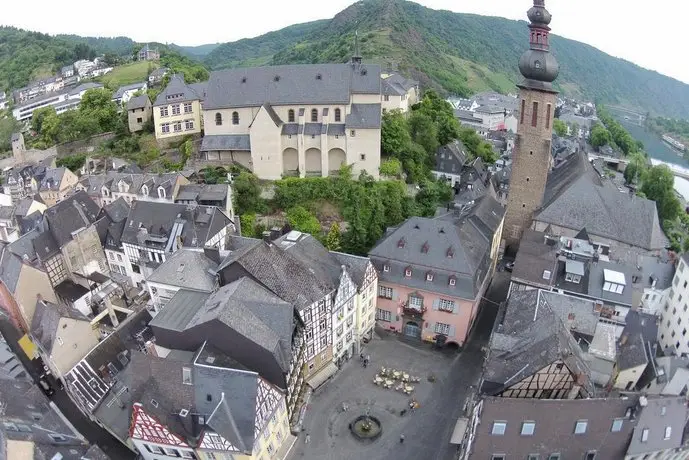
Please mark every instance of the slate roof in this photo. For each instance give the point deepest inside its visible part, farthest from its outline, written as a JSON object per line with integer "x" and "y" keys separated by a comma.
{"x": 554, "y": 428}
{"x": 6, "y": 212}
{"x": 364, "y": 116}
{"x": 530, "y": 337}
{"x": 123, "y": 89}
{"x": 282, "y": 273}
{"x": 46, "y": 320}
{"x": 117, "y": 210}
{"x": 10, "y": 268}
{"x": 200, "y": 88}
{"x": 203, "y": 193}
{"x": 635, "y": 347}
{"x": 389, "y": 88}
{"x": 180, "y": 310}
{"x": 313, "y": 255}
{"x": 175, "y": 92}
{"x": 450, "y": 158}
{"x": 596, "y": 282}
{"x": 655, "y": 270}
{"x": 534, "y": 258}
{"x": 290, "y": 129}
{"x": 23, "y": 206}
{"x": 659, "y": 413}
{"x": 217, "y": 142}
{"x": 188, "y": 269}
{"x": 467, "y": 235}
{"x": 576, "y": 198}
{"x": 401, "y": 82}
{"x": 253, "y": 312}
{"x": 159, "y": 219}
{"x": 71, "y": 214}
{"x": 578, "y": 314}
{"x": 138, "y": 102}
{"x": 290, "y": 84}
{"x": 356, "y": 266}
{"x": 52, "y": 179}
{"x": 45, "y": 245}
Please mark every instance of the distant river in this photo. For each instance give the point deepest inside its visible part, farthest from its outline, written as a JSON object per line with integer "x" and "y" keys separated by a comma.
{"x": 658, "y": 151}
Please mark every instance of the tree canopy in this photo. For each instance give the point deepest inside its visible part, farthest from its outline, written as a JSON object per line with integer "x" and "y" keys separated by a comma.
{"x": 560, "y": 127}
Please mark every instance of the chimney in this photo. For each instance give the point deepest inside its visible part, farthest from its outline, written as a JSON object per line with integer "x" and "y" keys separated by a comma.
{"x": 213, "y": 254}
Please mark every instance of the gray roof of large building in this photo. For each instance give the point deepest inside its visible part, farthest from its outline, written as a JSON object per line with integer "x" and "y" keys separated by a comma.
{"x": 578, "y": 314}
{"x": 658, "y": 414}
{"x": 46, "y": 320}
{"x": 576, "y": 197}
{"x": 554, "y": 420}
{"x": 467, "y": 235}
{"x": 71, "y": 214}
{"x": 10, "y": 268}
{"x": 138, "y": 102}
{"x": 530, "y": 337}
{"x": 596, "y": 282}
{"x": 280, "y": 272}
{"x": 159, "y": 219}
{"x": 656, "y": 271}
{"x": 312, "y": 254}
{"x": 534, "y": 259}
{"x": 253, "y": 312}
{"x": 180, "y": 310}
{"x": 218, "y": 142}
{"x": 176, "y": 91}
{"x": 635, "y": 347}
{"x": 290, "y": 84}
{"x": 187, "y": 269}
{"x": 23, "y": 206}
{"x": 364, "y": 116}
{"x": 117, "y": 210}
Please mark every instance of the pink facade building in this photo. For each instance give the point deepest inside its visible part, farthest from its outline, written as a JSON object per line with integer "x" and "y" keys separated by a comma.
{"x": 433, "y": 272}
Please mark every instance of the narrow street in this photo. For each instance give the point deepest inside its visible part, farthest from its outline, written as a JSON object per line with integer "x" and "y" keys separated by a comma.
{"x": 92, "y": 432}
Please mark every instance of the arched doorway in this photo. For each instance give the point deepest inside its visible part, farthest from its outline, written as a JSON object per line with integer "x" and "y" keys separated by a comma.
{"x": 336, "y": 158}
{"x": 313, "y": 162}
{"x": 290, "y": 162}
{"x": 412, "y": 329}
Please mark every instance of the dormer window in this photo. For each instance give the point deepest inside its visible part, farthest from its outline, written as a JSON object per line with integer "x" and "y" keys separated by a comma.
{"x": 144, "y": 190}
{"x": 401, "y": 243}
{"x": 105, "y": 191}
{"x": 386, "y": 268}
{"x": 453, "y": 281}
{"x": 407, "y": 272}
{"x": 424, "y": 248}
{"x": 450, "y": 253}
{"x": 429, "y": 276}
{"x": 161, "y": 193}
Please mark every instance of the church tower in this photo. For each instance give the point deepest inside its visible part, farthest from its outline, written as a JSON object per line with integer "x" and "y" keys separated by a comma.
{"x": 532, "y": 152}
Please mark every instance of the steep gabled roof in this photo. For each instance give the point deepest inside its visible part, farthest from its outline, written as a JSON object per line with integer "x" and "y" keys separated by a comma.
{"x": 176, "y": 91}
{"x": 73, "y": 213}
{"x": 46, "y": 320}
{"x": 576, "y": 197}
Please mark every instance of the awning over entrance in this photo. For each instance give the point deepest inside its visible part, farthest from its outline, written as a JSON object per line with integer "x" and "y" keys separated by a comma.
{"x": 28, "y": 347}
{"x": 321, "y": 376}
{"x": 460, "y": 431}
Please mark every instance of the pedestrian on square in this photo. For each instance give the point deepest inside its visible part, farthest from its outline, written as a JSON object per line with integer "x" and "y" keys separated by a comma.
{"x": 308, "y": 438}
{"x": 401, "y": 439}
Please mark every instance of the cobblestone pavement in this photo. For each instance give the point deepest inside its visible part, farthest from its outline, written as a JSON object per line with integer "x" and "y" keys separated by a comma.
{"x": 427, "y": 431}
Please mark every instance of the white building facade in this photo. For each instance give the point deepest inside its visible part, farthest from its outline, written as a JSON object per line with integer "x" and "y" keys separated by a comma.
{"x": 674, "y": 315}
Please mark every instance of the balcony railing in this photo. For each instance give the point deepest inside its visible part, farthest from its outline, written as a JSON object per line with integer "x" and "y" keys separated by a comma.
{"x": 408, "y": 310}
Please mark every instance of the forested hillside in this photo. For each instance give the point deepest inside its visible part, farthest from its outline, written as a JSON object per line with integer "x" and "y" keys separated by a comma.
{"x": 457, "y": 53}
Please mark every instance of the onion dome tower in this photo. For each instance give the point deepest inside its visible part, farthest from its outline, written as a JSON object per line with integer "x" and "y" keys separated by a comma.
{"x": 532, "y": 153}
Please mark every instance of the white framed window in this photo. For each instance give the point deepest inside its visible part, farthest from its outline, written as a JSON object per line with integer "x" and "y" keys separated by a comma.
{"x": 165, "y": 127}
{"x": 385, "y": 292}
{"x": 189, "y": 125}
{"x": 407, "y": 272}
{"x": 644, "y": 435}
{"x": 429, "y": 276}
{"x": 176, "y": 109}
{"x": 668, "y": 432}
{"x": 177, "y": 127}
{"x": 442, "y": 328}
{"x": 187, "y": 107}
{"x": 453, "y": 281}
{"x": 580, "y": 426}
{"x": 186, "y": 376}
{"x": 446, "y": 305}
{"x": 576, "y": 279}
{"x": 499, "y": 428}
{"x": 164, "y": 112}
{"x": 547, "y": 274}
{"x": 352, "y": 133}
{"x": 617, "y": 425}
{"x": 383, "y": 315}
{"x": 386, "y": 268}
{"x": 528, "y": 428}
{"x": 386, "y": 98}
{"x": 416, "y": 302}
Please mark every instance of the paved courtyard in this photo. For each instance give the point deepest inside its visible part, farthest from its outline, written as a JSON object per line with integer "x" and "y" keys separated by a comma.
{"x": 428, "y": 430}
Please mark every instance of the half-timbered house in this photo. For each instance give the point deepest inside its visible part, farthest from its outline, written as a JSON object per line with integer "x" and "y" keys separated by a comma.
{"x": 155, "y": 230}
{"x": 533, "y": 353}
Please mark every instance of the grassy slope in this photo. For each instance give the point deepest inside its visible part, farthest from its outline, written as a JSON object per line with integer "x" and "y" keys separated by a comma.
{"x": 458, "y": 53}
{"x": 127, "y": 74}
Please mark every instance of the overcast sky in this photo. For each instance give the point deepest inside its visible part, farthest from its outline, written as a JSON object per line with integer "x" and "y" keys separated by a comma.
{"x": 623, "y": 28}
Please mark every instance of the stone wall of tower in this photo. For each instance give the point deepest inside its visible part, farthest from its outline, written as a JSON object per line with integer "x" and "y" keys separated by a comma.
{"x": 531, "y": 161}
